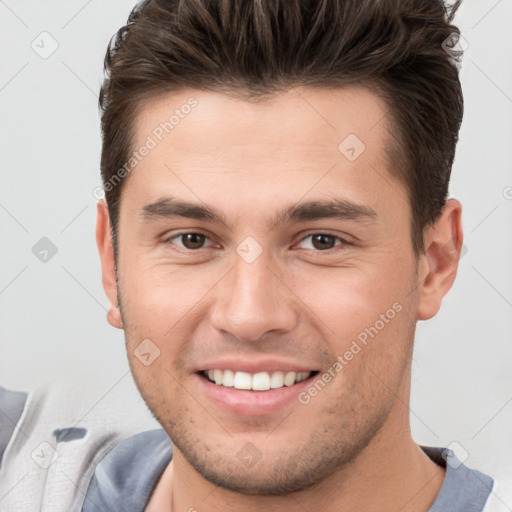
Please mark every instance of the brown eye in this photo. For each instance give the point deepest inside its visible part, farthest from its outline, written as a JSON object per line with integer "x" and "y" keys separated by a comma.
{"x": 193, "y": 240}
{"x": 322, "y": 241}
{"x": 190, "y": 241}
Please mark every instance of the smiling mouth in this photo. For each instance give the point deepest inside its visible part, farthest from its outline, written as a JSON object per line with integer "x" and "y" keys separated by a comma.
{"x": 261, "y": 381}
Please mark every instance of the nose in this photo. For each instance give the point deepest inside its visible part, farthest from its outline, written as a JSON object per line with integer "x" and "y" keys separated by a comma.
{"x": 254, "y": 299}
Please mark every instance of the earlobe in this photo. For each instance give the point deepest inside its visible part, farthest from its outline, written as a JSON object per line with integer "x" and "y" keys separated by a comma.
{"x": 105, "y": 249}
{"x": 114, "y": 317}
{"x": 439, "y": 263}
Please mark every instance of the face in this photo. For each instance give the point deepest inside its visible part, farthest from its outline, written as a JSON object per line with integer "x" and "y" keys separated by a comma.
{"x": 266, "y": 247}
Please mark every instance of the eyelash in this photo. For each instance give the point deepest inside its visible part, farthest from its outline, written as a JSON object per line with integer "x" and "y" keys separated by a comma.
{"x": 184, "y": 249}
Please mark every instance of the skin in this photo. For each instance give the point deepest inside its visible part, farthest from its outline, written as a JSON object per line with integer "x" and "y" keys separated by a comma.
{"x": 299, "y": 301}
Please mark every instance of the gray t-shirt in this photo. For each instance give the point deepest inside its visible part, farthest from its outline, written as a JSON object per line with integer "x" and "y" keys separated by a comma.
{"x": 125, "y": 478}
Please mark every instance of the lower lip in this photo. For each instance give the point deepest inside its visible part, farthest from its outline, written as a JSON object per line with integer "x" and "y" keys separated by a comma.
{"x": 252, "y": 403}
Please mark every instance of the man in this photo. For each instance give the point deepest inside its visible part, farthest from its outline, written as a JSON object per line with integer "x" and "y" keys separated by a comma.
{"x": 276, "y": 222}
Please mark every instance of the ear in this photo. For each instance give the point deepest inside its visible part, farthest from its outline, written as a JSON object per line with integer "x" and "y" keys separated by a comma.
{"x": 440, "y": 261}
{"x": 104, "y": 242}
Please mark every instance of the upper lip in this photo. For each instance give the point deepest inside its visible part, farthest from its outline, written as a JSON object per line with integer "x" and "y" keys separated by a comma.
{"x": 250, "y": 365}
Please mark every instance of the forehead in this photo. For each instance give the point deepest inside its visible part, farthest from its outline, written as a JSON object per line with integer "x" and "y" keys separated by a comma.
{"x": 302, "y": 117}
{"x": 304, "y": 141}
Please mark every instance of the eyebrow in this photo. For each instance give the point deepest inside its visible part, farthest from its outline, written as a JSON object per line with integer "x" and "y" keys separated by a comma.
{"x": 342, "y": 209}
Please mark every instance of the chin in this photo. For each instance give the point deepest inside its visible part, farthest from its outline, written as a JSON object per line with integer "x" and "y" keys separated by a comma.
{"x": 273, "y": 471}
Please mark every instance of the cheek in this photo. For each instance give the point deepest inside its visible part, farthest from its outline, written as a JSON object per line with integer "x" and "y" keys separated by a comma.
{"x": 163, "y": 306}
{"x": 156, "y": 297}
{"x": 345, "y": 302}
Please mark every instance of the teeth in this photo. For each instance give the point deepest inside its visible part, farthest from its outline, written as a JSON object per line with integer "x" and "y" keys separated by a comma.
{"x": 242, "y": 380}
{"x": 302, "y": 376}
{"x": 277, "y": 380}
{"x": 289, "y": 378}
{"x": 229, "y": 379}
{"x": 218, "y": 376}
{"x": 261, "y": 381}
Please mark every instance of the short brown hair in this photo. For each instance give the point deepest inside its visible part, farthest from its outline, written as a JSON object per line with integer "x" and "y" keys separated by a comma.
{"x": 255, "y": 48}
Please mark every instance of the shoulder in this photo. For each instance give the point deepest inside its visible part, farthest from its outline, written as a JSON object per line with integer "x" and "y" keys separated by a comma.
{"x": 13, "y": 404}
{"x": 53, "y": 437}
{"x": 464, "y": 489}
{"x": 500, "y": 499}
{"x": 126, "y": 476}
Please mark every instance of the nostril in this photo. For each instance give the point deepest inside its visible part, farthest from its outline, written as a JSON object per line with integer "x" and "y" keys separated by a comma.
{"x": 63, "y": 435}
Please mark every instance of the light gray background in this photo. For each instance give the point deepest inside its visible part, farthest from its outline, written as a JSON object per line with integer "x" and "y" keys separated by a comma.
{"x": 53, "y": 315}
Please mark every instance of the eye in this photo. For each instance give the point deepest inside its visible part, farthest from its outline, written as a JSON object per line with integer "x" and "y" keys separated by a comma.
{"x": 323, "y": 241}
{"x": 189, "y": 241}
{"x": 194, "y": 241}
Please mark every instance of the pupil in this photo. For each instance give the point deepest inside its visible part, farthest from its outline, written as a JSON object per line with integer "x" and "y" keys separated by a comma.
{"x": 193, "y": 240}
